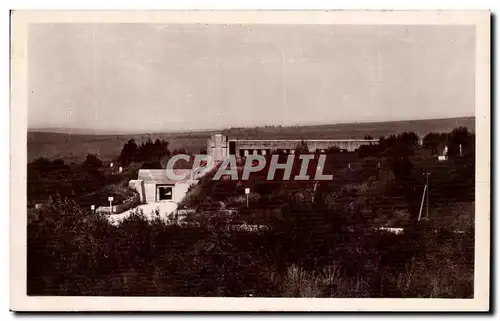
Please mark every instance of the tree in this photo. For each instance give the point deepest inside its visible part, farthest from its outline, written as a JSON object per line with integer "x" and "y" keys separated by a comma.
{"x": 179, "y": 151}
{"x": 302, "y": 147}
{"x": 397, "y": 146}
{"x": 92, "y": 162}
{"x": 460, "y": 135}
{"x": 335, "y": 149}
{"x": 58, "y": 163}
{"x": 44, "y": 166}
{"x": 408, "y": 139}
{"x": 408, "y": 183}
{"x": 161, "y": 149}
{"x": 460, "y": 138}
{"x": 151, "y": 165}
{"x": 147, "y": 150}
{"x": 129, "y": 152}
{"x": 435, "y": 142}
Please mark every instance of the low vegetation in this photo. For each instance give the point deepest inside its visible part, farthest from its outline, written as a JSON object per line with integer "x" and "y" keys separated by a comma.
{"x": 323, "y": 239}
{"x": 73, "y": 148}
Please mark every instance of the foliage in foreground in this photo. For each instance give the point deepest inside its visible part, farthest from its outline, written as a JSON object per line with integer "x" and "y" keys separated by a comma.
{"x": 321, "y": 241}
{"x": 73, "y": 252}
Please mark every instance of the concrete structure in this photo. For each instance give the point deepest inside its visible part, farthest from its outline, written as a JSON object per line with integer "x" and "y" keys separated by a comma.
{"x": 219, "y": 146}
{"x": 153, "y": 185}
{"x": 164, "y": 209}
{"x": 120, "y": 208}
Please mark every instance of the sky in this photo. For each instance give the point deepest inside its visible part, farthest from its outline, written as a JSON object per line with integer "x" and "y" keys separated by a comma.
{"x": 151, "y": 77}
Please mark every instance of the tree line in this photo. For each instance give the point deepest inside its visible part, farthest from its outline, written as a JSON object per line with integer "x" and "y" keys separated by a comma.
{"x": 146, "y": 151}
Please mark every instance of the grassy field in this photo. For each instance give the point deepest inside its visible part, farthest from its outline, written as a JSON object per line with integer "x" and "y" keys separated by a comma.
{"x": 74, "y": 147}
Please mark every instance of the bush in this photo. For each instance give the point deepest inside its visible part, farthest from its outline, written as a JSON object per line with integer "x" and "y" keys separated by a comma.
{"x": 320, "y": 240}
{"x": 303, "y": 256}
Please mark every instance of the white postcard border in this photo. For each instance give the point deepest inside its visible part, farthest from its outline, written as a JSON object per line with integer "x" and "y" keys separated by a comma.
{"x": 20, "y": 21}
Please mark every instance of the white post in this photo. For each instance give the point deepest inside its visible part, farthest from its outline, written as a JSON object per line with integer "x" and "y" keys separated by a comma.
{"x": 247, "y": 192}
{"x": 422, "y": 203}
{"x": 315, "y": 186}
{"x": 427, "y": 192}
{"x": 110, "y": 199}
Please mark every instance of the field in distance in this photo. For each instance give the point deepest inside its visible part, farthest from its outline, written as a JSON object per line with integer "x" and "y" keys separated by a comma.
{"x": 74, "y": 147}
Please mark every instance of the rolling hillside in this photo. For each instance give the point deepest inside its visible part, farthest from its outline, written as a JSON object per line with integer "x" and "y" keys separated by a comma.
{"x": 74, "y": 147}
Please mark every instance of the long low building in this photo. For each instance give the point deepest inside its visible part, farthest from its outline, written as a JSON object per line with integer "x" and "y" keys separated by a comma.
{"x": 219, "y": 146}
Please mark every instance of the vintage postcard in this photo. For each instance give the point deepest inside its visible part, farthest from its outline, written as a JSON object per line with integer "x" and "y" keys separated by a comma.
{"x": 250, "y": 161}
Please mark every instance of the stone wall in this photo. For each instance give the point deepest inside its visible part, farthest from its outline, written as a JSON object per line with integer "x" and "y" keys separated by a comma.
{"x": 290, "y": 145}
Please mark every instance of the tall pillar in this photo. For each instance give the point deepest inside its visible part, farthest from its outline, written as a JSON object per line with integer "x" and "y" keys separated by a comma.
{"x": 218, "y": 148}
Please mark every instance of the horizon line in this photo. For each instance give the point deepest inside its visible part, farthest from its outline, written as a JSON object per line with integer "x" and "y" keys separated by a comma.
{"x": 89, "y": 131}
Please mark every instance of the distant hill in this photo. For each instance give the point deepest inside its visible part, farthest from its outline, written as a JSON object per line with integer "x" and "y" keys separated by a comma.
{"x": 353, "y": 130}
{"x": 89, "y": 131}
{"x": 73, "y": 144}
{"x": 74, "y": 147}
{"x": 71, "y": 131}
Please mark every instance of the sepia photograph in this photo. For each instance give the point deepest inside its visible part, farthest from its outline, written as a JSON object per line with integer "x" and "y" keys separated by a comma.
{"x": 251, "y": 158}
